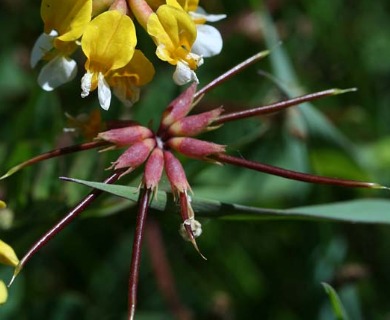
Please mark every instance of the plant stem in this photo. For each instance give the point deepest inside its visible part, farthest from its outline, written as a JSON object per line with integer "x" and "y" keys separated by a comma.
{"x": 143, "y": 206}
{"x": 80, "y": 207}
{"x": 278, "y": 106}
{"x": 230, "y": 73}
{"x": 55, "y": 153}
{"x": 293, "y": 175}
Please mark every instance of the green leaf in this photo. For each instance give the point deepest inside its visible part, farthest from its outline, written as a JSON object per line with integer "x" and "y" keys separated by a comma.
{"x": 314, "y": 121}
{"x": 355, "y": 211}
{"x": 337, "y": 306}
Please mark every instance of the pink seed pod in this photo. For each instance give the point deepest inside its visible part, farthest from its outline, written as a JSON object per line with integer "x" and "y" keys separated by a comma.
{"x": 175, "y": 173}
{"x": 153, "y": 169}
{"x": 194, "y": 125}
{"x": 135, "y": 155}
{"x": 178, "y": 108}
{"x": 126, "y": 136}
{"x": 194, "y": 148}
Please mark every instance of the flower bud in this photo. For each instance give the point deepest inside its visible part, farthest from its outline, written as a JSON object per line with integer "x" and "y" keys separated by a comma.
{"x": 194, "y": 148}
{"x": 121, "y": 6}
{"x": 135, "y": 155}
{"x": 141, "y": 10}
{"x": 126, "y": 135}
{"x": 194, "y": 125}
{"x": 175, "y": 173}
{"x": 99, "y": 6}
{"x": 153, "y": 169}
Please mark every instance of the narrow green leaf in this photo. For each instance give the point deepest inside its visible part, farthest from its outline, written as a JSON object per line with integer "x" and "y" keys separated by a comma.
{"x": 337, "y": 306}
{"x": 315, "y": 122}
{"x": 355, "y": 211}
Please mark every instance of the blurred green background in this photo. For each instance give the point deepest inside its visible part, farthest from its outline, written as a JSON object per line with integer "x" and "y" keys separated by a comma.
{"x": 255, "y": 269}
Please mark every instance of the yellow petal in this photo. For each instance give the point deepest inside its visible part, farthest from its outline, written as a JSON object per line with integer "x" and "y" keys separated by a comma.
{"x": 127, "y": 80}
{"x": 173, "y": 31}
{"x": 108, "y": 41}
{"x": 187, "y": 5}
{"x": 2, "y": 204}
{"x": 3, "y": 292}
{"x": 67, "y": 17}
{"x": 8, "y": 255}
{"x": 140, "y": 69}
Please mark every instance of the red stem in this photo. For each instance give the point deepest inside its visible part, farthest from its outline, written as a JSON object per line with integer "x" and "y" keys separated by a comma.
{"x": 292, "y": 174}
{"x": 80, "y": 207}
{"x": 143, "y": 203}
{"x": 230, "y": 73}
{"x": 274, "y": 107}
{"x": 63, "y": 151}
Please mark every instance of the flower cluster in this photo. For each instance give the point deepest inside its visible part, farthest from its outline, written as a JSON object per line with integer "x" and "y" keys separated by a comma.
{"x": 106, "y": 34}
{"x": 175, "y": 133}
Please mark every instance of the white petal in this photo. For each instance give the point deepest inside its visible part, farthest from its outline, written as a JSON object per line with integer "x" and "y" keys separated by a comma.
{"x": 43, "y": 45}
{"x": 183, "y": 74}
{"x": 56, "y": 72}
{"x": 200, "y": 13}
{"x": 86, "y": 81}
{"x": 208, "y": 41}
{"x": 198, "y": 58}
{"x": 104, "y": 92}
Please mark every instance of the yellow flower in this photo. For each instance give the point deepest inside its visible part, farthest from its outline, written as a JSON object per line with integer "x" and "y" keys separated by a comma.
{"x": 108, "y": 42}
{"x": 208, "y": 41}
{"x": 127, "y": 81}
{"x": 64, "y": 24}
{"x": 189, "y": 5}
{"x": 174, "y": 33}
{"x": 8, "y": 257}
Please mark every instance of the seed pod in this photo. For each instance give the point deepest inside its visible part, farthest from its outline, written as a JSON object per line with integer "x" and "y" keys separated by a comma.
{"x": 194, "y": 148}
{"x": 135, "y": 155}
{"x": 126, "y": 136}
{"x": 178, "y": 108}
{"x": 194, "y": 125}
{"x": 175, "y": 173}
{"x": 153, "y": 169}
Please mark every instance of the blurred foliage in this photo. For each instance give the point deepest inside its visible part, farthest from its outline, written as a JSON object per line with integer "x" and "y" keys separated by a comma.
{"x": 256, "y": 269}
